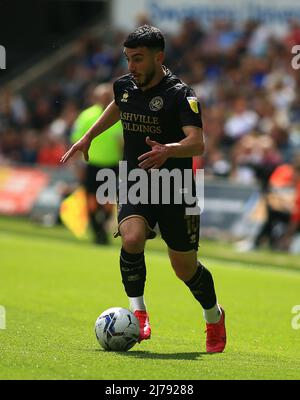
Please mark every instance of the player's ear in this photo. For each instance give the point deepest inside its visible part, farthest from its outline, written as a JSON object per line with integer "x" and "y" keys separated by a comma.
{"x": 160, "y": 57}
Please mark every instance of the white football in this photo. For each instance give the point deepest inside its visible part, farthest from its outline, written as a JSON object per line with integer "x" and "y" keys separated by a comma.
{"x": 117, "y": 329}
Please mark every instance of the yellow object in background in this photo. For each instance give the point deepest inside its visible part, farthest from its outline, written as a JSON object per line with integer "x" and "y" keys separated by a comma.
{"x": 73, "y": 213}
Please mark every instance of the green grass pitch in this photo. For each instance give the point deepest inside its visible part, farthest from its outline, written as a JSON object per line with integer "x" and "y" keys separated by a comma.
{"x": 53, "y": 289}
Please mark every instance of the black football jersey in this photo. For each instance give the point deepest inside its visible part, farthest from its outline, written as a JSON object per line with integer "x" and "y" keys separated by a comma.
{"x": 159, "y": 112}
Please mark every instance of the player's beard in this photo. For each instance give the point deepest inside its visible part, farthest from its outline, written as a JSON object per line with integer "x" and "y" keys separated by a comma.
{"x": 149, "y": 76}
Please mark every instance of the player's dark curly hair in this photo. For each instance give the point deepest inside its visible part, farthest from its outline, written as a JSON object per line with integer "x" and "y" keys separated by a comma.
{"x": 146, "y": 36}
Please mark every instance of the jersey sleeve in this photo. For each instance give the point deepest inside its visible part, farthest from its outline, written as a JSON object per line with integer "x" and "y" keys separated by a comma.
{"x": 116, "y": 92}
{"x": 189, "y": 108}
{"x": 120, "y": 88}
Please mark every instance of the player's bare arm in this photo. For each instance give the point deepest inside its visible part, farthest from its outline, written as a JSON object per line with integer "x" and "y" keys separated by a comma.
{"x": 192, "y": 145}
{"x": 110, "y": 116}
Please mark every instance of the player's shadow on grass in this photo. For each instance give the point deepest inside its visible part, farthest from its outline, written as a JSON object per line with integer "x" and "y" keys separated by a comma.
{"x": 163, "y": 356}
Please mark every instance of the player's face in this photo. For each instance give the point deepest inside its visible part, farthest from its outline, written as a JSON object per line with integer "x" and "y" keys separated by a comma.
{"x": 143, "y": 64}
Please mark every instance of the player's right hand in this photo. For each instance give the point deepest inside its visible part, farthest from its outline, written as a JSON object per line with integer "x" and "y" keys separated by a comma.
{"x": 82, "y": 145}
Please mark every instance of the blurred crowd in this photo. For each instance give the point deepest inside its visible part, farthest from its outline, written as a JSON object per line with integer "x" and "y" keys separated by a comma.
{"x": 242, "y": 75}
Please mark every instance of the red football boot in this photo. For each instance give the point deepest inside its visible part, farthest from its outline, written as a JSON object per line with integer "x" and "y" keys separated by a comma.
{"x": 216, "y": 336}
{"x": 145, "y": 329}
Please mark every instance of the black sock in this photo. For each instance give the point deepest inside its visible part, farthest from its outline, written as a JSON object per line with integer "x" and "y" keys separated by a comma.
{"x": 98, "y": 226}
{"x": 133, "y": 270}
{"x": 202, "y": 287}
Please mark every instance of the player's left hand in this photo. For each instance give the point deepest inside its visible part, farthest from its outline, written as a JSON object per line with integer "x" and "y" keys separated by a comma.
{"x": 155, "y": 158}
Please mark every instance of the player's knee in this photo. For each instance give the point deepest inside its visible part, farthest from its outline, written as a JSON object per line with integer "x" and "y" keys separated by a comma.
{"x": 133, "y": 242}
{"x": 183, "y": 270}
{"x": 182, "y": 274}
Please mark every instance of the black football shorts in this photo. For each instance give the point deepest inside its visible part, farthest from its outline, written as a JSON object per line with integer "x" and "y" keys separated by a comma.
{"x": 180, "y": 231}
{"x": 90, "y": 180}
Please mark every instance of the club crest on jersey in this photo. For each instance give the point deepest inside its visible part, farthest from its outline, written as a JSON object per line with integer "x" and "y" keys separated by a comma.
{"x": 125, "y": 97}
{"x": 193, "y": 102}
{"x": 156, "y": 103}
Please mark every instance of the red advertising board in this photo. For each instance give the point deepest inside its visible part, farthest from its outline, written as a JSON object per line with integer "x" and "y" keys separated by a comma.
{"x": 19, "y": 189}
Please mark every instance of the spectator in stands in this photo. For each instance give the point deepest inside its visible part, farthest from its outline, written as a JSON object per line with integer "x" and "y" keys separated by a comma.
{"x": 294, "y": 113}
{"x": 293, "y": 36}
{"x": 63, "y": 124}
{"x": 30, "y": 147}
{"x": 11, "y": 145}
{"x": 294, "y": 221}
{"x": 255, "y": 157}
{"x": 13, "y": 109}
{"x": 43, "y": 114}
{"x": 282, "y": 140}
{"x": 51, "y": 149}
{"x": 242, "y": 121}
{"x": 279, "y": 200}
